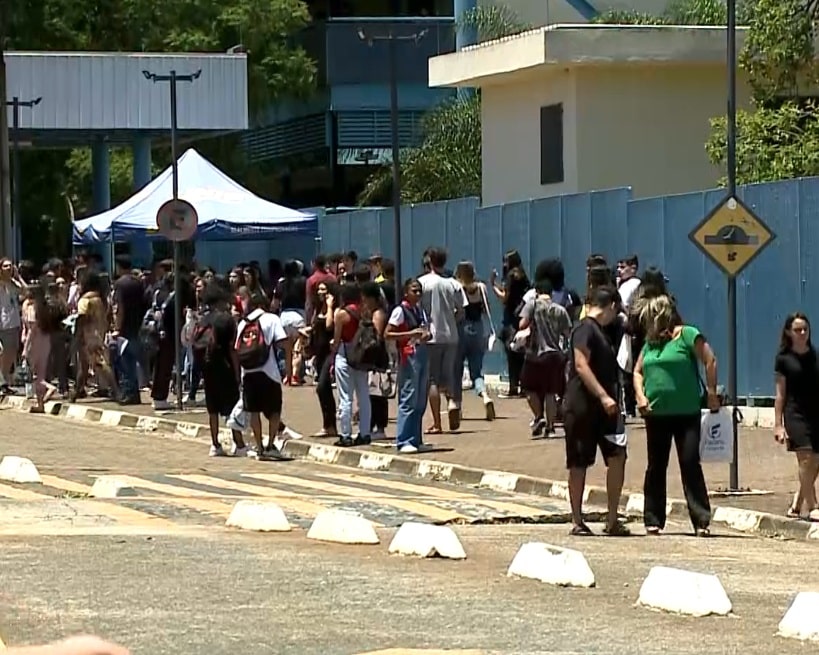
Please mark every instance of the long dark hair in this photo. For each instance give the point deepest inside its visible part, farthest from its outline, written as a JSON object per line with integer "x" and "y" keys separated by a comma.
{"x": 513, "y": 266}
{"x": 785, "y": 343}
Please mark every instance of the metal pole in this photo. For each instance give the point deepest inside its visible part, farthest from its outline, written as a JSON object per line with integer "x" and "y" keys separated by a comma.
{"x": 732, "y": 282}
{"x": 396, "y": 153}
{"x": 15, "y": 184}
{"x": 5, "y": 204}
{"x": 177, "y": 277}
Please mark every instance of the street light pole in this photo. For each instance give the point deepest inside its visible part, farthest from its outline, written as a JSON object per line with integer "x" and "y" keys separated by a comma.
{"x": 392, "y": 39}
{"x": 15, "y": 103}
{"x": 732, "y": 189}
{"x": 173, "y": 78}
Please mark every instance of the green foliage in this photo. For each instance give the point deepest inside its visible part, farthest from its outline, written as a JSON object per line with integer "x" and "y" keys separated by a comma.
{"x": 492, "y": 22}
{"x": 780, "y": 139}
{"x": 446, "y": 165}
{"x": 448, "y": 162}
{"x": 276, "y": 68}
{"x": 678, "y": 12}
{"x": 772, "y": 143}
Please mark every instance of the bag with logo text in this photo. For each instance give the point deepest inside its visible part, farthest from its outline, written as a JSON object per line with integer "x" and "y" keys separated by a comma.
{"x": 717, "y": 436}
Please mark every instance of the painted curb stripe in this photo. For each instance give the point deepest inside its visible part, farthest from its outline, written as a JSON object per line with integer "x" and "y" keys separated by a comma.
{"x": 752, "y": 521}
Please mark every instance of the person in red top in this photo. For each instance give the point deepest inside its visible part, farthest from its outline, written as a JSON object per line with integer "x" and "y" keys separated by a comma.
{"x": 350, "y": 381}
{"x": 408, "y": 326}
{"x": 321, "y": 275}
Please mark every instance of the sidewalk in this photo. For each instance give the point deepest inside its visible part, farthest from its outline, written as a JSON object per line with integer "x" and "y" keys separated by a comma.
{"x": 505, "y": 445}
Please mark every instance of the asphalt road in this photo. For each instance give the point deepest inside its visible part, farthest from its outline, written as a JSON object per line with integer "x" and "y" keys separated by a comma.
{"x": 161, "y": 574}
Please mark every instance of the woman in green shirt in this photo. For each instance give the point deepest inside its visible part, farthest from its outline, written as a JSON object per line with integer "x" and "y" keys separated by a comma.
{"x": 669, "y": 392}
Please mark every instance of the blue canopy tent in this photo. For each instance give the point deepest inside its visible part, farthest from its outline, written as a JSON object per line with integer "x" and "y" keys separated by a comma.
{"x": 227, "y": 211}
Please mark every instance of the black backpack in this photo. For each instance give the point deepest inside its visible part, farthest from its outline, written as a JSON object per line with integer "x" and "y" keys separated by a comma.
{"x": 366, "y": 351}
{"x": 203, "y": 341}
{"x": 252, "y": 349}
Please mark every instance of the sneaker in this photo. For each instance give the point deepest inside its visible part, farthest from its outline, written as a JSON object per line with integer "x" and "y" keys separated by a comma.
{"x": 408, "y": 449}
{"x": 217, "y": 451}
{"x": 344, "y": 442}
{"x": 488, "y": 406}
{"x": 252, "y": 453}
{"x": 538, "y": 428}
{"x": 507, "y": 395}
{"x": 161, "y": 405}
{"x": 239, "y": 452}
{"x": 378, "y": 435}
{"x": 362, "y": 440}
{"x": 289, "y": 433}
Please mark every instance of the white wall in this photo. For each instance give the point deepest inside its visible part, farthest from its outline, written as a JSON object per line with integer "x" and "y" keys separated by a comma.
{"x": 549, "y": 12}
{"x": 510, "y": 129}
{"x": 646, "y": 126}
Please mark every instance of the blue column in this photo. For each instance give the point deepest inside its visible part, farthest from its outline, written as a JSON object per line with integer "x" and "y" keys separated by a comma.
{"x": 464, "y": 37}
{"x": 142, "y": 253}
{"x": 101, "y": 190}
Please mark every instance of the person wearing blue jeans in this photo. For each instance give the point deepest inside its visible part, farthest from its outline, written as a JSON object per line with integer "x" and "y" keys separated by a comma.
{"x": 127, "y": 360}
{"x": 408, "y": 326}
{"x": 472, "y": 337}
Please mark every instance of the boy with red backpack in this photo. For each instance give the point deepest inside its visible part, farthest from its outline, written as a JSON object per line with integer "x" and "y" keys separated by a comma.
{"x": 258, "y": 335}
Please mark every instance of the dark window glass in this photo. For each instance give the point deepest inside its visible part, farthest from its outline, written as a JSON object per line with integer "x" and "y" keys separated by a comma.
{"x": 551, "y": 144}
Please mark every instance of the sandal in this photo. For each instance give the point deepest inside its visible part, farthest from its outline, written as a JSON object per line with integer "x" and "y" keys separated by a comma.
{"x": 581, "y": 530}
{"x": 619, "y": 529}
{"x": 793, "y": 513}
{"x": 813, "y": 516}
{"x": 702, "y": 532}
{"x": 652, "y": 531}
{"x": 433, "y": 430}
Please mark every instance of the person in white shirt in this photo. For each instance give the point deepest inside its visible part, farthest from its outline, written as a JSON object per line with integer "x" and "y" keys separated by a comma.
{"x": 262, "y": 386}
{"x": 627, "y": 280}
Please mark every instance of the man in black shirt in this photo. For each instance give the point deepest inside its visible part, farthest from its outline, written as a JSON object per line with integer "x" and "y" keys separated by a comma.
{"x": 129, "y": 297}
{"x": 592, "y": 416}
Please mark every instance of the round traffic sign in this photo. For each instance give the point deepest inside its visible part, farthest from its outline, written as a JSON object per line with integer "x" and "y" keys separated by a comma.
{"x": 177, "y": 220}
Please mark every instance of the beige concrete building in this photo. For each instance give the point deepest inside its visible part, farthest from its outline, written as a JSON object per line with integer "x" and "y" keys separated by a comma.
{"x": 573, "y": 108}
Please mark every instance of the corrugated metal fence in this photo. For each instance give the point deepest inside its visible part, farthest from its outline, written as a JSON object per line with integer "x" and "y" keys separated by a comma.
{"x": 783, "y": 279}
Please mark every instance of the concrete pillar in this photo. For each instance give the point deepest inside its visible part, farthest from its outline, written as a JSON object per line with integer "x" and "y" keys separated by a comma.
{"x": 101, "y": 191}
{"x": 142, "y": 253}
{"x": 464, "y": 37}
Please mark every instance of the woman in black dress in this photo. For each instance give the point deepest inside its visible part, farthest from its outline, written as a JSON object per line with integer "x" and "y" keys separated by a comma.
{"x": 796, "y": 410}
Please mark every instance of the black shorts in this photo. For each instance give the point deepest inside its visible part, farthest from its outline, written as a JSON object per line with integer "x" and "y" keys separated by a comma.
{"x": 261, "y": 395}
{"x": 585, "y": 433}
{"x": 545, "y": 375}
{"x": 221, "y": 389}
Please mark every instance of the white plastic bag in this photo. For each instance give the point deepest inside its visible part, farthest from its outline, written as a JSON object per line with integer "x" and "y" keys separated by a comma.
{"x": 238, "y": 419}
{"x": 717, "y": 436}
{"x": 624, "y": 354}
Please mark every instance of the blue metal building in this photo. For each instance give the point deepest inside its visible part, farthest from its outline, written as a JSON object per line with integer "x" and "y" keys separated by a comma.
{"x": 104, "y": 100}
{"x": 325, "y": 148}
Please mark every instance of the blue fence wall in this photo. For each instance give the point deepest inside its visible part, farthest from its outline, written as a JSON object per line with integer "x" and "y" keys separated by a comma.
{"x": 783, "y": 279}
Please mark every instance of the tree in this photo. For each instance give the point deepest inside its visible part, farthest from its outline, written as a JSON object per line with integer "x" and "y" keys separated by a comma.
{"x": 266, "y": 28}
{"x": 447, "y": 164}
{"x": 779, "y": 138}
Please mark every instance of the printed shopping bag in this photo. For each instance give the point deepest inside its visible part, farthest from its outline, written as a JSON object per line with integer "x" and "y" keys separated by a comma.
{"x": 717, "y": 436}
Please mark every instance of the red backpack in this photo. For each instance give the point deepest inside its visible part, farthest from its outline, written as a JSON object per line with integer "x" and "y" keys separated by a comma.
{"x": 252, "y": 348}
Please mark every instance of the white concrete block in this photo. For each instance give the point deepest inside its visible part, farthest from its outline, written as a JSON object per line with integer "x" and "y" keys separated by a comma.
{"x": 635, "y": 504}
{"x": 147, "y": 423}
{"x": 801, "y": 621}
{"x": 343, "y": 528}
{"x": 76, "y": 412}
{"x": 258, "y": 515}
{"x": 499, "y": 481}
{"x": 553, "y": 565}
{"x": 15, "y": 401}
{"x": 110, "y": 418}
{"x": 425, "y": 540}
{"x": 684, "y": 592}
{"x": 111, "y": 486}
{"x": 19, "y": 469}
{"x": 188, "y": 429}
{"x": 764, "y": 417}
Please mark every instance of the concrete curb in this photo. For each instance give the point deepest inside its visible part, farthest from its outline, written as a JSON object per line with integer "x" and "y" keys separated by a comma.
{"x": 743, "y": 520}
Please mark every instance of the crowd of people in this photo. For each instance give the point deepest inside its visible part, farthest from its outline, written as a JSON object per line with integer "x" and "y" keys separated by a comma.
{"x": 588, "y": 361}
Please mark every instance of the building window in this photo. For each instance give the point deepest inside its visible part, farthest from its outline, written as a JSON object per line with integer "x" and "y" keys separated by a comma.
{"x": 551, "y": 144}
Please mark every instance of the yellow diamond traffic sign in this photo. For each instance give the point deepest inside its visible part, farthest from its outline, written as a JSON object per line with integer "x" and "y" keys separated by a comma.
{"x": 732, "y": 236}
